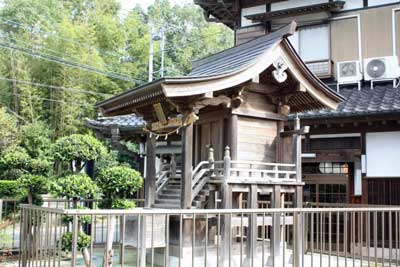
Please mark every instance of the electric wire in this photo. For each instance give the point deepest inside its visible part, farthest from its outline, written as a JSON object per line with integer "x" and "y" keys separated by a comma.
{"x": 54, "y": 87}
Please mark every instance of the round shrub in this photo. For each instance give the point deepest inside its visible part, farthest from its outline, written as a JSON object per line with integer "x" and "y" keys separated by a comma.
{"x": 83, "y": 241}
{"x": 77, "y": 147}
{"x": 76, "y": 186}
{"x": 119, "y": 181}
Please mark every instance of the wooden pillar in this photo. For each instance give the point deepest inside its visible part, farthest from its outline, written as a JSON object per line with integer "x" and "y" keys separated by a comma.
{"x": 233, "y": 128}
{"x": 297, "y": 150}
{"x": 187, "y": 155}
{"x": 226, "y": 228}
{"x": 298, "y": 200}
{"x": 150, "y": 181}
{"x": 251, "y": 241}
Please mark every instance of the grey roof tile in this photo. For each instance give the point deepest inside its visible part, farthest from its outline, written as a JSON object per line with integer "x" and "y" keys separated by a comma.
{"x": 380, "y": 100}
{"x": 131, "y": 121}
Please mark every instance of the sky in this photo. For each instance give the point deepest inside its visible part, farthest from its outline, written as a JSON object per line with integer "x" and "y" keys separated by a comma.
{"x": 129, "y": 4}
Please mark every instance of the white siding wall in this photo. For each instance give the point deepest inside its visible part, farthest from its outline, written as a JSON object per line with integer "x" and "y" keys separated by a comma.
{"x": 381, "y": 2}
{"x": 295, "y": 3}
{"x": 383, "y": 154}
{"x": 251, "y": 11}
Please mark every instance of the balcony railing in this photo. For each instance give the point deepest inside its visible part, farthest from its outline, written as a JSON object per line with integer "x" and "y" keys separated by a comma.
{"x": 322, "y": 237}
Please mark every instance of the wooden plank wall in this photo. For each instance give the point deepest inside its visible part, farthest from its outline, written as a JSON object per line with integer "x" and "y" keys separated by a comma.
{"x": 256, "y": 139}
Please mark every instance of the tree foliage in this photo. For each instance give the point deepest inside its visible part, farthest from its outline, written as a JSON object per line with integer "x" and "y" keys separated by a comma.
{"x": 117, "y": 183}
{"x": 98, "y": 34}
{"x": 8, "y": 129}
{"x": 77, "y": 149}
{"x": 75, "y": 187}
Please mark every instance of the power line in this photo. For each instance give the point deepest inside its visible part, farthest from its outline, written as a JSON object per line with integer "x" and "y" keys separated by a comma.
{"x": 63, "y": 55}
{"x": 47, "y": 99}
{"x": 67, "y": 63}
{"x": 54, "y": 87}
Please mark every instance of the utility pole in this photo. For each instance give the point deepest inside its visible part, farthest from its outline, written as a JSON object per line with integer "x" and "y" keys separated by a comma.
{"x": 162, "y": 46}
{"x": 151, "y": 53}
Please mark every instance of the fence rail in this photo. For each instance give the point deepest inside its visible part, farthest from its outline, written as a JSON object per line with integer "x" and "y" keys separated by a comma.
{"x": 279, "y": 237}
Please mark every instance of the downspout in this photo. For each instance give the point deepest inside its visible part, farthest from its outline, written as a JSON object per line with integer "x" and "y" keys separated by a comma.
{"x": 360, "y": 54}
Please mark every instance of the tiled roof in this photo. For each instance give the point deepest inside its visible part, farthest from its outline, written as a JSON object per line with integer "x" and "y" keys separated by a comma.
{"x": 236, "y": 58}
{"x": 125, "y": 121}
{"x": 382, "y": 99}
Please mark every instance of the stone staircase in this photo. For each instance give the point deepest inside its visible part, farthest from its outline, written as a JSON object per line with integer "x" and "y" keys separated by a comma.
{"x": 170, "y": 196}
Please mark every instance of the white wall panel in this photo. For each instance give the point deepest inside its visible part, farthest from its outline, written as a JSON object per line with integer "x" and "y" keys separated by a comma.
{"x": 295, "y": 3}
{"x": 381, "y": 2}
{"x": 383, "y": 154}
{"x": 251, "y": 11}
{"x": 314, "y": 43}
{"x": 353, "y": 4}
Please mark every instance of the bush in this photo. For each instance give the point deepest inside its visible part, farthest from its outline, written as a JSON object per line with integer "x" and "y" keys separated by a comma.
{"x": 15, "y": 158}
{"x": 11, "y": 189}
{"x": 79, "y": 148}
{"x": 119, "y": 181}
{"x": 36, "y": 184}
{"x": 83, "y": 241}
{"x": 76, "y": 186}
{"x": 123, "y": 204}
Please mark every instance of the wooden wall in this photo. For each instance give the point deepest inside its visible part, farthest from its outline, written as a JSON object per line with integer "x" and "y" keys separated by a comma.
{"x": 256, "y": 139}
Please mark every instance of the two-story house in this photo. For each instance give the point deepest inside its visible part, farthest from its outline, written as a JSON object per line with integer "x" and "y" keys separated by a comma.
{"x": 351, "y": 154}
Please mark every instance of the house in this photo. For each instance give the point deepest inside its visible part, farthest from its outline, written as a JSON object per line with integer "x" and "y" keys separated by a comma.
{"x": 350, "y": 155}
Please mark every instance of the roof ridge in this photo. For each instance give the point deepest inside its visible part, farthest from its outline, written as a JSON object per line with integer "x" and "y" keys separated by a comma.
{"x": 283, "y": 32}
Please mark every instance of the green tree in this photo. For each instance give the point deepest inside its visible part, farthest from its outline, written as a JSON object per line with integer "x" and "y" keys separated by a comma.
{"x": 77, "y": 150}
{"x": 8, "y": 130}
{"x": 34, "y": 185}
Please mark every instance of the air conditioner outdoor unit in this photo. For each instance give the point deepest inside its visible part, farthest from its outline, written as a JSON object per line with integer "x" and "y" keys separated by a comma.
{"x": 348, "y": 72}
{"x": 381, "y": 68}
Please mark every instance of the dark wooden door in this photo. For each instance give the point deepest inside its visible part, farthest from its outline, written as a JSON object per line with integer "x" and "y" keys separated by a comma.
{"x": 209, "y": 134}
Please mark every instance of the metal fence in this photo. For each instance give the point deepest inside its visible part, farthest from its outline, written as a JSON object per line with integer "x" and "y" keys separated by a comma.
{"x": 10, "y": 220}
{"x": 245, "y": 237}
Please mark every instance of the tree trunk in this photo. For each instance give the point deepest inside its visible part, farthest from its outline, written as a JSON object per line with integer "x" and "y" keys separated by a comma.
{"x": 86, "y": 257}
{"x": 108, "y": 251}
{"x": 30, "y": 198}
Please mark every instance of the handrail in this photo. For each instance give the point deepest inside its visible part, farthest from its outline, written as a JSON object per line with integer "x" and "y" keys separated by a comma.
{"x": 140, "y": 211}
{"x": 162, "y": 177}
{"x": 200, "y": 177}
{"x": 262, "y": 163}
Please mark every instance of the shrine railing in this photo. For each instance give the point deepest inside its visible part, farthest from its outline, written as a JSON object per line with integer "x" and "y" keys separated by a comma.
{"x": 251, "y": 170}
{"x": 233, "y": 237}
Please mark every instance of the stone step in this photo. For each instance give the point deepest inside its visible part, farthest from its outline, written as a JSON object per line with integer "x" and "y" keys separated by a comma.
{"x": 169, "y": 196}
{"x": 168, "y": 201}
{"x": 170, "y": 191}
{"x": 173, "y": 187}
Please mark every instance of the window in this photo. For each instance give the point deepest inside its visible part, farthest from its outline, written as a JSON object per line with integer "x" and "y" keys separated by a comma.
{"x": 326, "y": 168}
{"x": 312, "y": 43}
{"x": 325, "y": 193}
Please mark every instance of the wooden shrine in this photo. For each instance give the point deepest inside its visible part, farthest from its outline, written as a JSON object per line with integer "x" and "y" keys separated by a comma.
{"x": 229, "y": 114}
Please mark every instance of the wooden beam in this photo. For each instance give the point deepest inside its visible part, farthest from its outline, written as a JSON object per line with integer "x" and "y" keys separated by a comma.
{"x": 262, "y": 88}
{"x": 150, "y": 181}
{"x": 233, "y": 128}
{"x": 160, "y": 113}
{"x": 187, "y": 155}
{"x": 260, "y": 114}
{"x": 302, "y": 131}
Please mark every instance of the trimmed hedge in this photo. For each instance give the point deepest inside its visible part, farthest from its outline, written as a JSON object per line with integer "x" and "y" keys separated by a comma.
{"x": 11, "y": 189}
